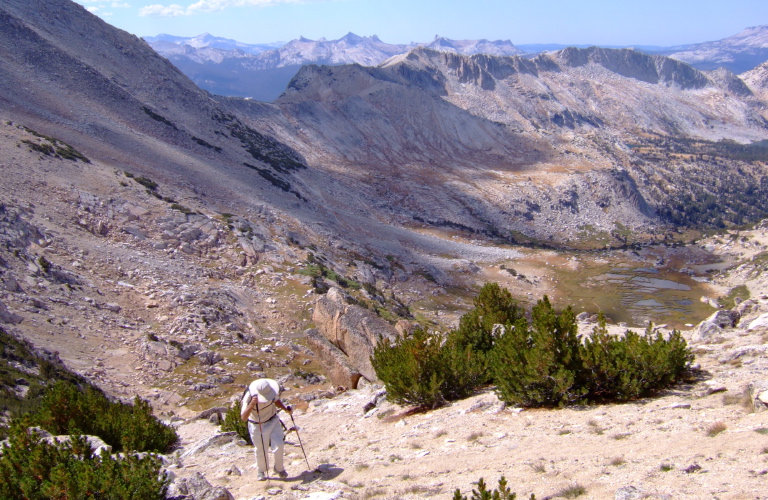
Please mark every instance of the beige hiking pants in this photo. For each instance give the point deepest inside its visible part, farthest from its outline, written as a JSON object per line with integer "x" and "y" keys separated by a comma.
{"x": 272, "y": 432}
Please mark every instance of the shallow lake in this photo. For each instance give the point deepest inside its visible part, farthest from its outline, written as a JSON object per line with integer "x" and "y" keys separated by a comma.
{"x": 655, "y": 285}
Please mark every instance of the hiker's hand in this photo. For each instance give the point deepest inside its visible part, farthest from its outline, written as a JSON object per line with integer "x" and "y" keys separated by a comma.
{"x": 289, "y": 408}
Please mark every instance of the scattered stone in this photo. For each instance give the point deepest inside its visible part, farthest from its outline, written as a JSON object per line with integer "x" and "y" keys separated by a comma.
{"x": 7, "y": 316}
{"x": 629, "y": 493}
{"x": 692, "y": 468}
{"x": 760, "y": 322}
{"x": 215, "y": 440}
{"x": 713, "y": 387}
{"x": 758, "y": 394}
{"x": 274, "y": 491}
{"x": 679, "y": 406}
{"x": 378, "y": 397}
{"x": 198, "y": 488}
{"x": 233, "y": 471}
{"x": 209, "y": 357}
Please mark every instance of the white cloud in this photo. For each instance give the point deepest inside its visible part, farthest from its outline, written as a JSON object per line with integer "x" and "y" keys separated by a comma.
{"x": 174, "y": 10}
{"x": 158, "y": 10}
{"x": 92, "y": 10}
{"x": 120, "y": 5}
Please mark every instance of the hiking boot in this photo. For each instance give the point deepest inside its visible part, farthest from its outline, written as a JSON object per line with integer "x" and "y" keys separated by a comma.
{"x": 281, "y": 474}
{"x": 262, "y": 476}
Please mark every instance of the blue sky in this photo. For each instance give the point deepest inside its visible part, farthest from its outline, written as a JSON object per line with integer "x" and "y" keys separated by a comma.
{"x": 605, "y": 22}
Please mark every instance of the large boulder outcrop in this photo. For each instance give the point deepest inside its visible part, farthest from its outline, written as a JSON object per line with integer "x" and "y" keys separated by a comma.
{"x": 758, "y": 394}
{"x": 715, "y": 324}
{"x": 340, "y": 372}
{"x": 353, "y": 330}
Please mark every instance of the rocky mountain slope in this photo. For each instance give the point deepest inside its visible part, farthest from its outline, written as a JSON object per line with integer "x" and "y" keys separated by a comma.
{"x": 232, "y": 68}
{"x": 738, "y": 53}
{"x": 249, "y": 71}
{"x": 700, "y": 439}
{"x": 172, "y": 245}
{"x": 581, "y": 116}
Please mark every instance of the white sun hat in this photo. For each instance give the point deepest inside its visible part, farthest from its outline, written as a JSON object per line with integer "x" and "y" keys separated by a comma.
{"x": 266, "y": 388}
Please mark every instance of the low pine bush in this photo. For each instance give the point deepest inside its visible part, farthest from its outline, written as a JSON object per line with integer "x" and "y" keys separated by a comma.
{"x": 538, "y": 364}
{"x": 425, "y": 369}
{"x": 34, "y": 469}
{"x": 483, "y": 493}
{"x": 632, "y": 366}
{"x": 541, "y": 362}
{"x": 233, "y": 422}
{"x": 67, "y": 409}
{"x": 413, "y": 369}
{"x": 547, "y": 364}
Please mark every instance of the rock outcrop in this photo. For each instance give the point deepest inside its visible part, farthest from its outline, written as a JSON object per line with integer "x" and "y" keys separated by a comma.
{"x": 353, "y": 333}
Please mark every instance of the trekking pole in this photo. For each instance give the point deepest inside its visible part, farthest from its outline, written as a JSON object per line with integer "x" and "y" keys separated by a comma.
{"x": 300, "y": 443}
{"x": 261, "y": 434}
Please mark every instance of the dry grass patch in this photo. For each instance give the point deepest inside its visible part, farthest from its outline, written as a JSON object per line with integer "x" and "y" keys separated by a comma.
{"x": 474, "y": 437}
{"x": 762, "y": 430}
{"x": 595, "y": 427}
{"x": 666, "y": 467}
{"x": 421, "y": 490}
{"x": 742, "y": 399}
{"x": 716, "y": 428}
{"x": 540, "y": 467}
{"x": 621, "y": 435}
{"x": 616, "y": 461}
{"x": 373, "y": 493}
{"x": 572, "y": 491}
{"x": 361, "y": 467}
{"x": 441, "y": 433}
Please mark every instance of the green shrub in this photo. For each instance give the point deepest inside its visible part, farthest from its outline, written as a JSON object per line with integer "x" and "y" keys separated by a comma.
{"x": 232, "y": 422}
{"x": 146, "y": 182}
{"x": 36, "y": 470}
{"x": 538, "y": 364}
{"x": 413, "y": 369}
{"x": 479, "y": 327}
{"x": 483, "y": 493}
{"x": 624, "y": 368}
{"x": 67, "y": 409}
{"x": 547, "y": 365}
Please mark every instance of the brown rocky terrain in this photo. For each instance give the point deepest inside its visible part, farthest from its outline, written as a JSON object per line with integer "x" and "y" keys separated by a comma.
{"x": 174, "y": 245}
{"x": 703, "y": 439}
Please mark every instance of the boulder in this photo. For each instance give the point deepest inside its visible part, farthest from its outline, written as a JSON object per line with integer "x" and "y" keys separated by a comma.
{"x": 337, "y": 364}
{"x": 714, "y": 325}
{"x": 209, "y": 357}
{"x": 758, "y": 394}
{"x": 7, "y": 316}
{"x": 706, "y": 330}
{"x": 724, "y": 318}
{"x": 355, "y": 331}
{"x": 759, "y": 322}
{"x": 198, "y": 488}
{"x": 215, "y": 440}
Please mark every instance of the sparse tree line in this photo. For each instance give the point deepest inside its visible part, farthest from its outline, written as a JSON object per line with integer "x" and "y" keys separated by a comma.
{"x": 62, "y": 403}
{"x": 535, "y": 361}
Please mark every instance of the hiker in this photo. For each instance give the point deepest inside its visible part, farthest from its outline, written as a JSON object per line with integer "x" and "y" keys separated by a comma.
{"x": 259, "y": 409}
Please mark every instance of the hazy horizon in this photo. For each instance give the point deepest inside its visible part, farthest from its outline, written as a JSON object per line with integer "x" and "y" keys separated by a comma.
{"x": 598, "y": 22}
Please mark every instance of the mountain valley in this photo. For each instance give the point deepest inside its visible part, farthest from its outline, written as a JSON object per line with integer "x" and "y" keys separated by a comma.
{"x": 173, "y": 244}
